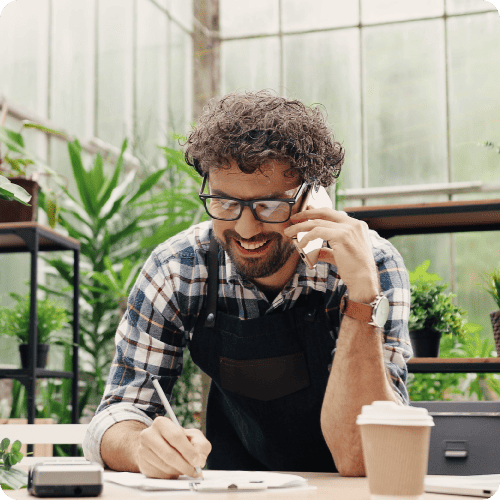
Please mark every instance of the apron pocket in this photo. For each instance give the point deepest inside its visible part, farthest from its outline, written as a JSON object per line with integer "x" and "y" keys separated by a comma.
{"x": 265, "y": 379}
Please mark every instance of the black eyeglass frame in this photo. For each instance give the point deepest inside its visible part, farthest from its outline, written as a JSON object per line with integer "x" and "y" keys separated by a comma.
{"x": 249, "y": 203}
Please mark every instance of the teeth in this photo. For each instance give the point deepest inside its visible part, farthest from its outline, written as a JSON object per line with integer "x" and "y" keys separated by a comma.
{"x": 252, "y": 246}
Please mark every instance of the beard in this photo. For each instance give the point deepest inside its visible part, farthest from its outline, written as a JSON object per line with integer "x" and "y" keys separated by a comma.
{"x": 257, "y": 267}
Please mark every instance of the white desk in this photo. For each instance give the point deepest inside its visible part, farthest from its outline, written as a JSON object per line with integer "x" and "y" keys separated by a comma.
{"x": 330, "y": 486}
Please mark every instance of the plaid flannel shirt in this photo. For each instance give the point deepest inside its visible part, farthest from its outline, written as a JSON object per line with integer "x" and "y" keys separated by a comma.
{"x": 165, "y": 303}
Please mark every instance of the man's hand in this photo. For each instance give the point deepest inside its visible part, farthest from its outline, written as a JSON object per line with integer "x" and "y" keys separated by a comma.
{"x": 166, "y": 451}
{"x": 350, "y": 248}
{"x": 163, "y": 450}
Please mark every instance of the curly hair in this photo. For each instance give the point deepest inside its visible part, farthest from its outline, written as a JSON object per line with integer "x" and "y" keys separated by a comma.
{"x": 253, "y": 128}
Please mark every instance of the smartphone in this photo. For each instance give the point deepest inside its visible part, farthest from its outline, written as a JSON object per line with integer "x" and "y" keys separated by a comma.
{"x": 315, "y": 198}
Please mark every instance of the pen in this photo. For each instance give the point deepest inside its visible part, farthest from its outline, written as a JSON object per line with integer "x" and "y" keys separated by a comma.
{"x": 170, "y": 412}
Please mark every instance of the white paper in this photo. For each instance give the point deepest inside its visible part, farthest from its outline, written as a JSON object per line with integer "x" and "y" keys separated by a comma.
{"x": 213, "y": 479}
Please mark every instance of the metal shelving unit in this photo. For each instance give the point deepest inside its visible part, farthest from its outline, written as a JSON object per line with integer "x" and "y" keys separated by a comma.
{"x": 34, "y": 238}
{"x": 428, "y": 218}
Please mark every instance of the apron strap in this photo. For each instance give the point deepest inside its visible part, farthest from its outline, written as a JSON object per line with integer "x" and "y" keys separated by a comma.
{"x": 213, "y": 282}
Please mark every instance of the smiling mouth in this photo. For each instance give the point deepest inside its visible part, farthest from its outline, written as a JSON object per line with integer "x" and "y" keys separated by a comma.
{"x": 253, "y": 246}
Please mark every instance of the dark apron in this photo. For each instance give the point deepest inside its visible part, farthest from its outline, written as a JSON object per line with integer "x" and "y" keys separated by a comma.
{"x": 269, "y": 377}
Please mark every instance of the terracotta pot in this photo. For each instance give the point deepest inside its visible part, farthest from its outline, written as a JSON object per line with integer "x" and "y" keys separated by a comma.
{"x": 42, "y": 351}
{"x": 425, "y": 343}
{"x": 13, "y": 211}
{"x": 495, "y": 323}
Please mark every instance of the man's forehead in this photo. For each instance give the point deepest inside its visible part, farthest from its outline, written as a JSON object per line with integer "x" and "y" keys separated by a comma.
{"x": 270, "y": 172}
{"x": 270, "y": 182}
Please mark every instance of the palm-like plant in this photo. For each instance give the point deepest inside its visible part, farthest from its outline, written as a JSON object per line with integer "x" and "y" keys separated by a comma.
{"x": 118, "y": 221}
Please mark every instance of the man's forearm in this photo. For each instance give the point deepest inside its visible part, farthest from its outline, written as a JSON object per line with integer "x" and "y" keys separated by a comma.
{"x": 120, "y": 444}
{"x": 358, "y": 377}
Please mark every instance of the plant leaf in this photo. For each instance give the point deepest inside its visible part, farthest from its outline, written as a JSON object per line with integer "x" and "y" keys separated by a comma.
{"x": 80, "y": 175}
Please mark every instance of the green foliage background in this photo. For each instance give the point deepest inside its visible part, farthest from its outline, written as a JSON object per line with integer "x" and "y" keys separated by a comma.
{"x": 118, "y": 218}
{"x": 431, "y": 307}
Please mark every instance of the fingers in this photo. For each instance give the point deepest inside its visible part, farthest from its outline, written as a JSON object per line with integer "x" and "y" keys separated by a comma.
{"x": 321, "y": 228}
{"x": 201, "y": 444}
{"x": 321, "y": 213}
{"x": 168, "y": 451}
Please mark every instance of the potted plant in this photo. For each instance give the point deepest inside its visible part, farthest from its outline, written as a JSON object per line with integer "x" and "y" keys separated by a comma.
{"x": 20, "y": 176}
{"x": 15, "y": 322}
{"x": 11, "y": 478}
{"x": 432, "y": 312}
{"x": 12, "y": 192}
{"x": 492, "y": 286}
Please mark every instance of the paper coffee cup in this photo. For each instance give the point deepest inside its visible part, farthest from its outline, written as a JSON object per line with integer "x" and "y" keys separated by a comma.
{"x": 395, "y": 442}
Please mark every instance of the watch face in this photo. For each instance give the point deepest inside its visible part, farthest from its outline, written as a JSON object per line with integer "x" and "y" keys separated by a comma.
{"x": 382, "y": 312}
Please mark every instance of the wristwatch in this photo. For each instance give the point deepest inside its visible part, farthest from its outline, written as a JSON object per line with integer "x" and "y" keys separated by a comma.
{"x": 375, "y": 313}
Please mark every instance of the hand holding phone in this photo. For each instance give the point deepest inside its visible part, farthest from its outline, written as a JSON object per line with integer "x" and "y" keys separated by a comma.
{"x": 315, "y": 198}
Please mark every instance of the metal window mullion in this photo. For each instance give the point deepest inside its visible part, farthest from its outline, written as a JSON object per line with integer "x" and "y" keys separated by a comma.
{"x": 49, "y": 78}
{"x": 89, "y": 68}
{"x": 96, "y": 70}
{"x": 172, "y": 18}
{"x": 134, "y": 77}
{"x": 281, "y": 51}
{"x": 453, "y": 252}
{"x": 364, "y": 131}
{"x": 349, "y": 26}
{"x": 129, "y": 84}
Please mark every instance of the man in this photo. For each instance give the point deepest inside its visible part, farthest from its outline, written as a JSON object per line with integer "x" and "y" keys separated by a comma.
{"x": 290, "y": 365}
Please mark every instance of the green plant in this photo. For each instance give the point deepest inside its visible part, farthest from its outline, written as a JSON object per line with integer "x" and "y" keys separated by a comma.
{"x": 483, "y": 385}
{"x": 492, "y": 285}
{"x": 437, "y": 386}
{"x": 118, "y": 222}
{"x": 15, "y": 321}
{"x": 18, "y": 162}
{"x": 11, "y": 478}
{"x": 12, "y": 192}
{"x": 53, "y": 400}
{"x": 186, "y": 396}
{"x": 442, "y": 386}
{"x": 431, "y": 308}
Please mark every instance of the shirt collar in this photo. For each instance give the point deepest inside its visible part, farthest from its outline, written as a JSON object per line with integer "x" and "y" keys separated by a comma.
{"x": 304, "y": 277}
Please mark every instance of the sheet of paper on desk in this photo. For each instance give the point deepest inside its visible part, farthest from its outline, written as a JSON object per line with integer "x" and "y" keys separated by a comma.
{"x": 213, "y": 480}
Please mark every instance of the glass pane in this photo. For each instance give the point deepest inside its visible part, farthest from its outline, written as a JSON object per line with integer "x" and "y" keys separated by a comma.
{"x": 381, "y": 11}
{"x": 313, "y": 63}
{"x": 114, "y": 71}
{"x": 474, "y": 73}
{"x": 182, "y": 11}
{"x": 405, "y": 103}
{"x": 72, "y": 81}
{"x": 250, "y": 64}
{"x": 464, "y": 6}
{"x": 247, "y": 18}
{"x": 180, "y": 73}
{"x": 476, "y": 253}
{"x": 417, "y": 248}
{"x": 24, "y": 54}
{"x": 300, "y": 15}
{"x": 151, "y": 81}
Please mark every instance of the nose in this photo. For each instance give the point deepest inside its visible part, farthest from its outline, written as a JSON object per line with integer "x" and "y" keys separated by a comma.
{"x": 247, "y": 225}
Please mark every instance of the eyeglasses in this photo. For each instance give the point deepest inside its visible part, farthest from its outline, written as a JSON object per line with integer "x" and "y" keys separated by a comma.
{"x": 273, "y": 211}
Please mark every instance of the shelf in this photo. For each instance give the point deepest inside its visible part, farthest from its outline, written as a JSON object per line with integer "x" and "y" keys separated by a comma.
{"x": 12, "y": 241}
{"x": 427, "y": 218}
{"x": 454, "y": 365}
{"x": 21, "y": 374}
{"x": 34, "y": 238}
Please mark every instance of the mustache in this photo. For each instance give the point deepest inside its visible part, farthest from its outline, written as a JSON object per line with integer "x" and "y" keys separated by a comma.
{"x": 258, "y": 238}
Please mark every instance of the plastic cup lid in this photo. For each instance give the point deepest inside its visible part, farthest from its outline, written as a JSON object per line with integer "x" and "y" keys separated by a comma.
{"x": 390, "y": 413}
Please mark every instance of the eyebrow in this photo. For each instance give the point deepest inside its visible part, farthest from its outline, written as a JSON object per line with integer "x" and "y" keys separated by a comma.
{"x": 277, "y": 195}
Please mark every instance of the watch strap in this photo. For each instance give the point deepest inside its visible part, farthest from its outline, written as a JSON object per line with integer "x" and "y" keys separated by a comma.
{"x": 356, "y": 310}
